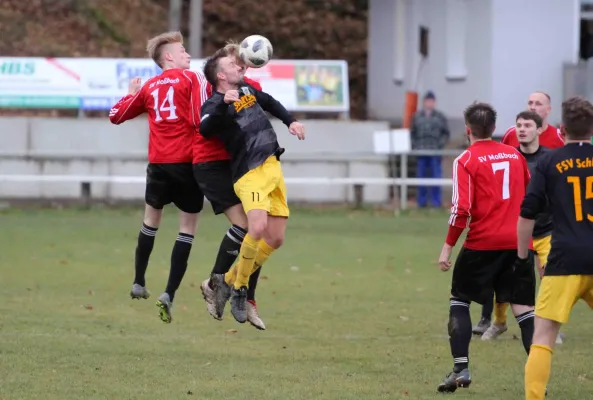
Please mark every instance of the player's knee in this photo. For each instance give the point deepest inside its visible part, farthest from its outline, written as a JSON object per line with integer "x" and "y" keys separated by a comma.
{"x": 152, "y": 216}
{"x": 257, "y": 226}
{"x": 188, "y": 222}
{"x": 275, "y": 240}
{"x": 237, "y": 216}
{"x": 545, "y": 332}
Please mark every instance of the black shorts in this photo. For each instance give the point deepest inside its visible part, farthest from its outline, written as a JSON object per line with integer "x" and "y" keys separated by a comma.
{"x": 173, "y": 183}
{"x": 480, "y": 274}
{"x": 215, "y": 180}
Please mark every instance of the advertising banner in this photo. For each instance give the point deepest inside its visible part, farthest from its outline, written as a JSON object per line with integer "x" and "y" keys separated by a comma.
{"x": 39, "y": 83}
{"x": 98, "y": 83}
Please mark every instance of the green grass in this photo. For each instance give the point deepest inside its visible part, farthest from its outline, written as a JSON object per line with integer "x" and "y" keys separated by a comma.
{"x": 354, "y": 304}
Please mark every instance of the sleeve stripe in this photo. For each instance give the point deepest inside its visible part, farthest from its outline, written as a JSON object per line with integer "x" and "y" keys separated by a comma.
{"x": 204, "y": 87}
{"x": 203, "y": 93}
{"x": 191, "y": 99}
{"x": 455, "y": 197}
{"x": 130, "y": 102}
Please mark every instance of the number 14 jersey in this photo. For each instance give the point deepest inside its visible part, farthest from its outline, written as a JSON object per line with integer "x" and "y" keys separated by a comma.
{"x": 172, "y": 101}
{"x": 489, "y": 183}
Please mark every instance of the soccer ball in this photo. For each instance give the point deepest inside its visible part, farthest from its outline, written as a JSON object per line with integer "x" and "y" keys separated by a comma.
{"x": 255, "y": 51}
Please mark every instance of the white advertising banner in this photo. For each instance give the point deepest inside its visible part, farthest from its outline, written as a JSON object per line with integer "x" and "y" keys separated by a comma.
{"x": 98, "y": 83}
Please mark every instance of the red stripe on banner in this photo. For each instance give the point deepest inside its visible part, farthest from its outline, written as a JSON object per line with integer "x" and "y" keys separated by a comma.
{"x": 61, "y": 67}
{"x": 281, "y": 71}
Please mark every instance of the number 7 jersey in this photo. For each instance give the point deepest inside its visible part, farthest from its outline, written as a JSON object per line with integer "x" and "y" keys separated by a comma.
{"x": 489, "y": 183}
{"x": 172, "y": 101}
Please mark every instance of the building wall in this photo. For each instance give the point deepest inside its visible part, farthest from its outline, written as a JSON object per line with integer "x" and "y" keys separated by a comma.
{"x": 532, "y": 41}
{"x": 511, "y": 49}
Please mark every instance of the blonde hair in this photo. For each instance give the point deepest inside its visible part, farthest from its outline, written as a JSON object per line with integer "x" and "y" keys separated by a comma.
{"x": 154, "y": 47}
{"x": 232, "y": 49}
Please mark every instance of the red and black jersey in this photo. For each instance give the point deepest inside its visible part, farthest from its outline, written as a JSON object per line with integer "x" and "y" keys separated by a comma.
{"x": 172, "y": 101}
{"x": 489, "y": 184}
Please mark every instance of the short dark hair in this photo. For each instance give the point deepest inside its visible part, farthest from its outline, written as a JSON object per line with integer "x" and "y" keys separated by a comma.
{"x": 530, "y": 116}
{"x": 577, "y": 118}
{"x": 480, "y": 119}
{"x": 211, "y": 65}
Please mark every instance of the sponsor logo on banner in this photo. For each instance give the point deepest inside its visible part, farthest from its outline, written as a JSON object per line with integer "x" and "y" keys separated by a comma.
{"x": 98, "y": 83}
{"x": 106, "y": 80}
{"x": 39, "y": 82}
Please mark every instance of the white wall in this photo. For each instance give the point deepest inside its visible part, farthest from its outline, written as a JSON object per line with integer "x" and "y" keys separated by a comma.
{"x": 454, "y": 96}
{"x": 45, "y": 146}
{"x": 532, "y": 40}
{"x": 513, "y": 47}
{"x": 385, "y": 98}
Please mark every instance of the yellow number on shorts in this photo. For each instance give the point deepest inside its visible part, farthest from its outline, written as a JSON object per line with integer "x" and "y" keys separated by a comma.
{"x": 578, "y": 203}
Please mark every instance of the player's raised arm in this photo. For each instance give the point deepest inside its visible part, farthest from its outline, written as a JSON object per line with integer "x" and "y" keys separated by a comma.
{"x": 130, "y": 106}
{"x": 274, "y": 107}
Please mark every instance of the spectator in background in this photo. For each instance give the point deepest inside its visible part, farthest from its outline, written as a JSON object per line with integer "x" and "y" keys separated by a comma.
{"x": 429, "y": 132}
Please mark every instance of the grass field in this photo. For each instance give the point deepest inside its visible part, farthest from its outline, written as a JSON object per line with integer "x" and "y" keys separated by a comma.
{"x": 354, "y": 304}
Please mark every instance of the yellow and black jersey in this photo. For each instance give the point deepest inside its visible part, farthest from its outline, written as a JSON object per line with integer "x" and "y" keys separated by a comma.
{"x": 564, "y": 177}
{"x": 244, "y": 127}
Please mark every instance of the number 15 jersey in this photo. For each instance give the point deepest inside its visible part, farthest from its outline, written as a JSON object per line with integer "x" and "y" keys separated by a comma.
{"x": 172, "y": 101}
{"x": 489, "y": 183}
{"x": 565, "y": 177}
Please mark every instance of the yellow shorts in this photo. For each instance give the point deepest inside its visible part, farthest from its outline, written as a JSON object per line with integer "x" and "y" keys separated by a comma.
{"x": 263, "y": 188}
{"x": 559, "y": 293}
{"x": 542, "y": 247}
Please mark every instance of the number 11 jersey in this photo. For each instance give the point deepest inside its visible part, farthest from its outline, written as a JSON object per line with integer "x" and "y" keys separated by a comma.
{"x": 489, "y": 184}
{"x": 172, "y": 101}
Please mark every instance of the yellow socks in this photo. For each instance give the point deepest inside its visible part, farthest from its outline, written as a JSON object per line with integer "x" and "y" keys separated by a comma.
{"x": 246, "y": 260}
{"x": 537, "y": 372}
{"x": 231, "y": 275}
{"x": 263, "y": 253}
{"x": 500, "y": 313}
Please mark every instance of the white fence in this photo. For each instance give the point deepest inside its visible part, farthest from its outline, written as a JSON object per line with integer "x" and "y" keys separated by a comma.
{"x": 357, "y": 185}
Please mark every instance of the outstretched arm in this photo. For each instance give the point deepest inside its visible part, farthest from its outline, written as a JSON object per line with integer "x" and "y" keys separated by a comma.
{"x": 129, "y": 106}
{"x": 274, "y": 107}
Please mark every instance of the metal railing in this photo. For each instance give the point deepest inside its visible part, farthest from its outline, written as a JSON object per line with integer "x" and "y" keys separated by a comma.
{"x": 397, "y": 179}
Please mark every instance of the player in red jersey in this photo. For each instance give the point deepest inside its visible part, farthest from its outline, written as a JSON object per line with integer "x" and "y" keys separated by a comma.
{"x": 172, "y": 101}
{"x": 551, "y": 138}
{"x": 212, "y": 171}
{"x": 489, "y": 183}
